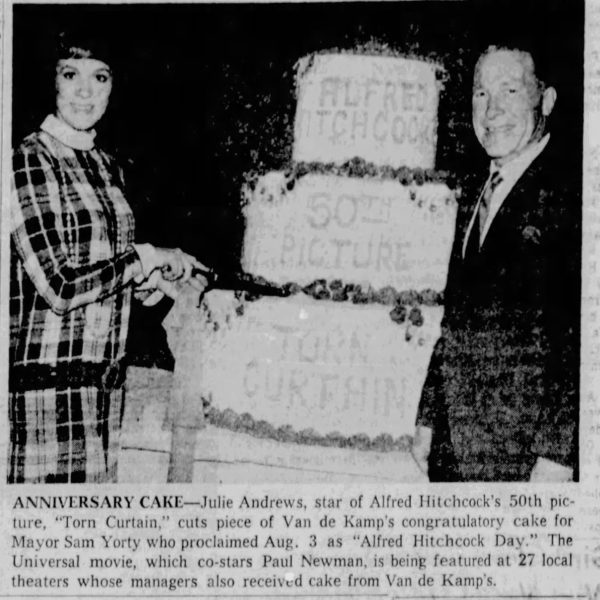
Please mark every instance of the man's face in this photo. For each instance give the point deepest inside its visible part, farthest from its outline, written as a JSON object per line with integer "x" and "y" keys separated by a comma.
{"x": 506, "y": 104}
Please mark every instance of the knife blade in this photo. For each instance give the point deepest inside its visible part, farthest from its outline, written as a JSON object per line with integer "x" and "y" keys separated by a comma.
{"x": 238, "y": 280}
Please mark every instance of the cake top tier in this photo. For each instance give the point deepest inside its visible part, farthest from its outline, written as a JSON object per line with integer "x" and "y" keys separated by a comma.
{"x": 379, "y": 108}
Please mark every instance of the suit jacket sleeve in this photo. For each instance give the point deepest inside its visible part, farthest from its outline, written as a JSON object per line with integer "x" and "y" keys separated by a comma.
{"x": 556, "y": 437}
{"x": 430, "y": 401}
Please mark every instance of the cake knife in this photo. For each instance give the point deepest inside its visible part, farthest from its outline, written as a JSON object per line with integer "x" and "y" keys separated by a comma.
{"x": 238, "y": 280}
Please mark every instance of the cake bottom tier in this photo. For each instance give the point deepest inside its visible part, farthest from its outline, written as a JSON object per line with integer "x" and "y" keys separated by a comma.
{"x": 223, "y": 456}
{"x": 304, "y": 371}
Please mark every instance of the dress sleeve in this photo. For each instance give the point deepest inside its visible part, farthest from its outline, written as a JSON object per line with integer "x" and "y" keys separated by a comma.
{"x": 37, "y": 234}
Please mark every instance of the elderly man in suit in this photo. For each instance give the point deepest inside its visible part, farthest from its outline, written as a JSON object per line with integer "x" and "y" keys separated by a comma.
{"x": 500, "y": 402}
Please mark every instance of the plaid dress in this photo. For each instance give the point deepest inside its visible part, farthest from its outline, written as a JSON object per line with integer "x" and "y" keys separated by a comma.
{"x": 72, "y": 259}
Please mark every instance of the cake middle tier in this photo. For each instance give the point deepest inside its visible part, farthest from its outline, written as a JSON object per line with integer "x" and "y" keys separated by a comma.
{"x": 360, "y": 230}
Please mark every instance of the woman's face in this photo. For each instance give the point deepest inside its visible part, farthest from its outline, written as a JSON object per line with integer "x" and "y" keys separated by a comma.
{"x": 83, "y": 87}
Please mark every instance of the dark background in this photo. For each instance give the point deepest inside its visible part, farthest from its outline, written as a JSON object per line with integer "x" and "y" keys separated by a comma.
{"x": 204, "y": 93}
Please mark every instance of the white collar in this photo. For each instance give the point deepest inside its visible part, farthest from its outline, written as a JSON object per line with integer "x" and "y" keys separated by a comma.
{"x": 514, "y": 168}
{"x": 79, "y": 140}
{"x": 510, "y": 174}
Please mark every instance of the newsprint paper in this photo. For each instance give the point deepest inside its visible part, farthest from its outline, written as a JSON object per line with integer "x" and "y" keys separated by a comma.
{"x": 367, "y": 401}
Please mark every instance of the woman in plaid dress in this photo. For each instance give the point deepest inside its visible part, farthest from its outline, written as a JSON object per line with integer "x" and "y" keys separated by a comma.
{"x": 73, "y": 267}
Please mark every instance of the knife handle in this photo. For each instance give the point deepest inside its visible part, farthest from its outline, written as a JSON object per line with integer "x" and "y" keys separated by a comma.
{"x": 208, "y": 273}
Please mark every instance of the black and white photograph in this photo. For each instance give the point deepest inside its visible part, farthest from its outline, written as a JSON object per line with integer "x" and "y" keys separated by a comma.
{"x": 303, "y": 297}
{"x": 295, "y": 242}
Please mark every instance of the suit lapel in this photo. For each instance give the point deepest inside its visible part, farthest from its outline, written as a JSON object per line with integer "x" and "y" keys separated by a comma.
{"x": 516, "y": 206}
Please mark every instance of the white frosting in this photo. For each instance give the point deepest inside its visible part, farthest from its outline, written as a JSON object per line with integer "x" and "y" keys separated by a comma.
{"x": 380, "y": 108}
{"x": 316, "y": 364}
{"x": 357, "y": 230}
{"x": 308, "y": 363}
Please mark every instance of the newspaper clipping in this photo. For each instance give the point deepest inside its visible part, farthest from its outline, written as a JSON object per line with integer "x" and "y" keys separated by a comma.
{"x": 300, "y": 300}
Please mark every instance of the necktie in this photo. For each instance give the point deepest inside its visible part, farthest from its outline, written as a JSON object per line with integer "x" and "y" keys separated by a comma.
{"x": 473, "y": 242}
{"x": 484, "y": 204}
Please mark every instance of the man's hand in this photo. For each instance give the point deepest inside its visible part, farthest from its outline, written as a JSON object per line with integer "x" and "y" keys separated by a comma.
{"x": 546, "y": 470}
{"x": 421, "y": 447}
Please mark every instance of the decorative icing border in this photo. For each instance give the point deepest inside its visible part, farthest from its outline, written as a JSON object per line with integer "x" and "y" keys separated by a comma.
{"x": 246, "y": 423}
{"x": 356, "y": 167}
{"x": 405, "y": 303}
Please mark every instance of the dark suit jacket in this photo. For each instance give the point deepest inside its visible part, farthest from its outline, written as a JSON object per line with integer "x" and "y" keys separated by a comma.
{"x": 502, "y": 386}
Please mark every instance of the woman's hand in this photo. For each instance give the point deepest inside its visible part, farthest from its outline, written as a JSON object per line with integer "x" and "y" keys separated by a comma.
{"x": 154, "y": 288}
{"x": 169, "y": 270}
{"x": 173, "y": 263}
{"x": 182, "y": 270}
{"x": 177, "y": 264}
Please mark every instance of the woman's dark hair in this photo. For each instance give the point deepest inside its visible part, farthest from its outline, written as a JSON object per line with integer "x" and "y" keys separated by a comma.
{"x": 83, "y": 44}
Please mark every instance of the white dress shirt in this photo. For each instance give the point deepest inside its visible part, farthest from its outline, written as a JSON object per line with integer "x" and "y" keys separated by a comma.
{"x": 510, "y": 173}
